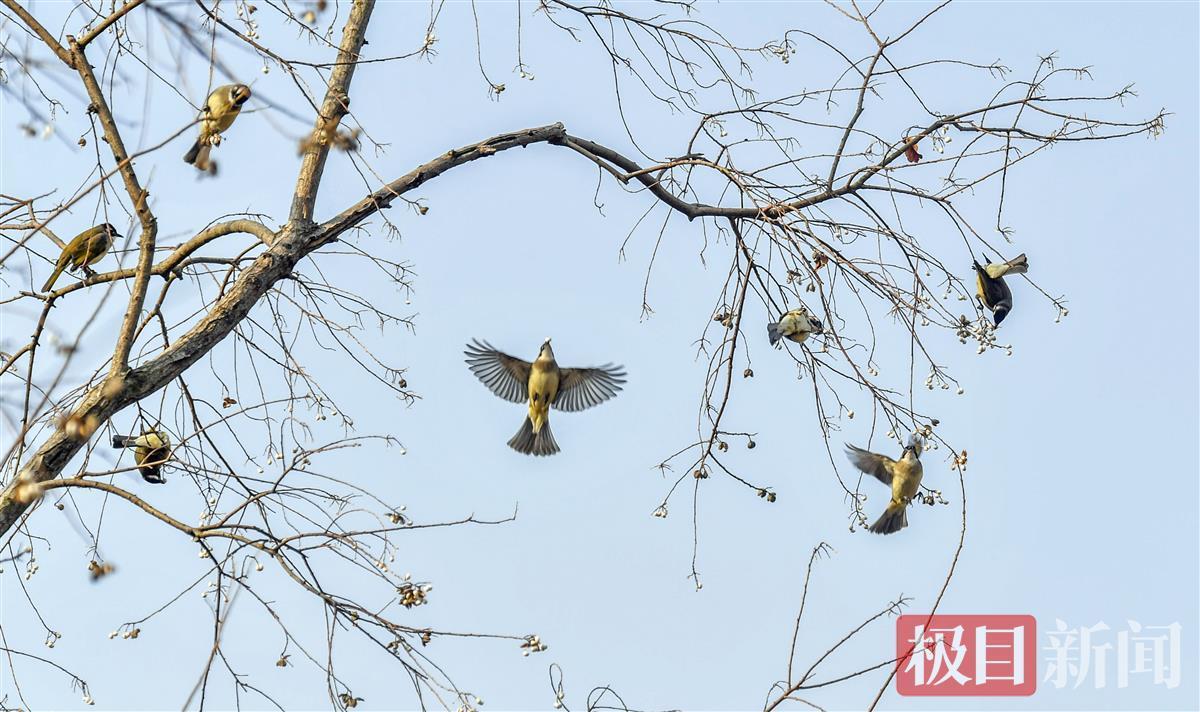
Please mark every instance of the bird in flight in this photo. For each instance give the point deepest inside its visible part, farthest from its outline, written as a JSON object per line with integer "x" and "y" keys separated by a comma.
{"x": 543, "y": 384}
{"x": 903, "y": 476}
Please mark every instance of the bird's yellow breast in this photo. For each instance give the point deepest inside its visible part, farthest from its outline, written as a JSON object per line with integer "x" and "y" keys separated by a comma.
{"x": 906, "y": 479}
{"x": 220, "y": 113}
{"x": 220, "y": 122}
{"x": 543, "y": 388}
{"x": 980, "y": 290}
{"x": 794, "y": 326}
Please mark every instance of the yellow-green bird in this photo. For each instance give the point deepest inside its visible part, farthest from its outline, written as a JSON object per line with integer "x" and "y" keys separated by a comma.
{"x": 222, "y": 107}
{"x": 903, "y": 476}
{"x": 543, "y": 384}
{"x": 990, "y": 288}
{"x": 85, "y": 249}
{"x": 795, "y": 325}
{"x": 150, "y": 450}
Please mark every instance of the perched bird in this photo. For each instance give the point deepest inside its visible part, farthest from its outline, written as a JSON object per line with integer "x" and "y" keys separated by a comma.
{"x": 990, "y": 288}
{"x": 543, "y": 384}
{"x": 222, "y": 107}
{"x": 150, "y": 450}
{"x": 85, "y": 249}
{"x": 903, "y": 476}
{"x": 796, "y": 325}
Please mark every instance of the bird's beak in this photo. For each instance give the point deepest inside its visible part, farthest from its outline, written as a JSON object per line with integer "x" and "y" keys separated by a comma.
{"x": 820, "y": 327}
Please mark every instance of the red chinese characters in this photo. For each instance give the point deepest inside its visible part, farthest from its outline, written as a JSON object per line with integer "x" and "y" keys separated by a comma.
{"x": 966, "y": 655}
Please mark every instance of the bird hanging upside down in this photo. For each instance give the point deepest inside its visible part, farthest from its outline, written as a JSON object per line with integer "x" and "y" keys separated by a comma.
{"x": 543, "y": 384}
{"x": 903, "y": 476}
{"x": 990, "y": 288}
{"x": 796, "y": 325}
{"x": 150, "y": 450}
{"x": 84, "y": 250}
{"x": 222, "y": 107}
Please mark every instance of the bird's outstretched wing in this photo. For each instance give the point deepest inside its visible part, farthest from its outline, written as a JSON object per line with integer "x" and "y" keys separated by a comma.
{"x": 506, "y": 376}
{"x": 873, "y": 464}
{"x": 581, "y": 388}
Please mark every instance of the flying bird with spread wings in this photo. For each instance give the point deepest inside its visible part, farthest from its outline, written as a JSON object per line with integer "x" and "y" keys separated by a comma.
{"x": 543, "y": 384}
{"x": 903, "y": 476}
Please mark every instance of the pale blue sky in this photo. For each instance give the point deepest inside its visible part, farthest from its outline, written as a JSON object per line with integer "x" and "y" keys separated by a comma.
{"x": 1082, "y": 485}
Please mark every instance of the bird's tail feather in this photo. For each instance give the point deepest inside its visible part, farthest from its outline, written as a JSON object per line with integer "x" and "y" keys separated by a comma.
{"x": 1017, "y": 265}
{"x": 193, "y": 153}
{"x": 528, "y": 442}
{"x": 773, "y": 333}
{"x": 58, "y": 270}
{"x": 120, "y": 441}
{"x": 893, "y": 519}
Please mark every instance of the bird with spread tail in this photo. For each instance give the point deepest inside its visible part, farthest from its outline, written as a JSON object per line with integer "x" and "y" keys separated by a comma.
{"x": 990, "y": 288}
{"x": 796, "y": 325}
{"x": 543, "y": 384}
{"x": 222, "y": 107}
{"x": 903, "y": 476}
{"x": 84, "y": 250}
{"x": 150, "y": 450}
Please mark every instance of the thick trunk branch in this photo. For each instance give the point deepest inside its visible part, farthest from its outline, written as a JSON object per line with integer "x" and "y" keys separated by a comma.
{"x": 104, "y": 400}
{"x": 300, "y": 237}
{"x": 382, "y": 198}
{"x": 40, "y": 31}
{"x": 287, "y": 248}
{"x": 335, "y": 106}
{"x": 107, "y": 22}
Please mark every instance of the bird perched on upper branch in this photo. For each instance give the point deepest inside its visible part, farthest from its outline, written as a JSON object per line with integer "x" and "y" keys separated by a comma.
{"x": 990, "y": 288}
{"x": 150, "y": 450}
{"x": 903, "y": 476}
{"x": 543, "y": 383}
{"x": 796, "y": 325}
{"x": 222, "y": 107}
{"x": 85, "y": 249}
